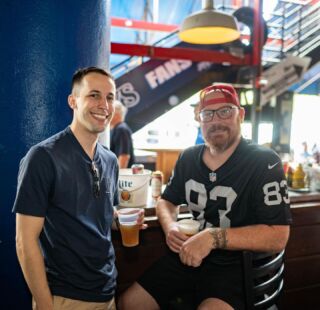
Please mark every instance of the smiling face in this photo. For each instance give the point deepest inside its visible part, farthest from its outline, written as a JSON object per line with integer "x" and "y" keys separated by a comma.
{"x": 92, "y": 103}
{"x": 220, "y": 134}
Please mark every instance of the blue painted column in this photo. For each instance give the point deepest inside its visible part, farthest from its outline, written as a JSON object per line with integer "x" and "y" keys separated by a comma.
{"x": 42, "y": 42}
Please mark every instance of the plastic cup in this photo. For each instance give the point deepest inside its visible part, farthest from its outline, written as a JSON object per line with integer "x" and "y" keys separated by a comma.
{"x": 189, "y": 227}
{"x": 128, "y": 226}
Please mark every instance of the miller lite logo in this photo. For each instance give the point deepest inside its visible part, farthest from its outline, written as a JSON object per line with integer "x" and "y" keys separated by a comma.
{"x": 124, "y": 193}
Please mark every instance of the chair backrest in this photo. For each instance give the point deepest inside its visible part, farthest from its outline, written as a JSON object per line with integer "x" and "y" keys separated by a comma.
{"x": 263, "y": 278}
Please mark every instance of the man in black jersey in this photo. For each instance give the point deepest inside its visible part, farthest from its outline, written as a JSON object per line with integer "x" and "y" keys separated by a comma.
{"x": 238, "y": 193}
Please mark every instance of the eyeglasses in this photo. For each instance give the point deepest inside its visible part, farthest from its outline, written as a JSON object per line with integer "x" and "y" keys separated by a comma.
{"x": 223, "y": 113}
{"x": 96, "y": 180}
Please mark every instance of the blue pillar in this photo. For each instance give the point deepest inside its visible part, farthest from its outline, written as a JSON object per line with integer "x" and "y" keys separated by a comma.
{"x": 42, "y": 43}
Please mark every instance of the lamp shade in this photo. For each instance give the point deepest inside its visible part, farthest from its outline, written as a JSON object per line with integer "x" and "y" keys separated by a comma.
{"x": 209, "y": 27}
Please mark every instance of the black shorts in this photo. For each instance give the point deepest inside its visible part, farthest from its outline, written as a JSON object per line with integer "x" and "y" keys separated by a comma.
{"x": 169, "y": 278}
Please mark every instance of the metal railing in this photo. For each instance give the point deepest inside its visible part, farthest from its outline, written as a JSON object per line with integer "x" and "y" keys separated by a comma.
{"x": 134, "y": 61}
{"x": 297, "y": 25}
{"x": 293, "y": 29}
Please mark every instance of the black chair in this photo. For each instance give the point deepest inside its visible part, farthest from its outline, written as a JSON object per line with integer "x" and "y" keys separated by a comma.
{"x": 263, "y": 282}
{"x": 263, "y": 279}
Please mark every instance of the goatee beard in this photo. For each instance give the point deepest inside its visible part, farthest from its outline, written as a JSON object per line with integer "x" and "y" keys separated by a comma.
{"x": 217, "y": 144}
{"x": 219, "y": 147}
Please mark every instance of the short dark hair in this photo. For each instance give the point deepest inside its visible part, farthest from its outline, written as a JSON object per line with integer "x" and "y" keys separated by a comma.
{"x": 81, "y": 73}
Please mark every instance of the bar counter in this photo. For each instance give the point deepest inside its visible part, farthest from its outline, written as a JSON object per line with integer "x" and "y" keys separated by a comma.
{"x": 302, "y": 264}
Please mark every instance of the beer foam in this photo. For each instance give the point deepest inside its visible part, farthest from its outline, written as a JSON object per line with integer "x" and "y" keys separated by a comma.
{"x": 189, "y": 226}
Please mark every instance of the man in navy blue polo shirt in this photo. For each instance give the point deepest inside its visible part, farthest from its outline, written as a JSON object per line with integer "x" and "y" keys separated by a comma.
{"x": 121, "y": 142}
{"x": 67, "y": 187}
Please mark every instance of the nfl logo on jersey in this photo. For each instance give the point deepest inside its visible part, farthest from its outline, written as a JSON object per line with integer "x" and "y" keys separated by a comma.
{"x": 212, "y": 176}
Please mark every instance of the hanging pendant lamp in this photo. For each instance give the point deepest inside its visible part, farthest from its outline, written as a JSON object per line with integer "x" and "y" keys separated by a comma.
{"x": 209, "y": 26}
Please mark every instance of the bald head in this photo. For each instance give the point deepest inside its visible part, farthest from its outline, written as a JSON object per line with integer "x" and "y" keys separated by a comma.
{"x": 120, "y": 112}
{"x": 119, "y": 108}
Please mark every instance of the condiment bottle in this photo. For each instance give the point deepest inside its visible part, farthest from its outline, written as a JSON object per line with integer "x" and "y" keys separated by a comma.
{"x": 289, "y": 176}
{"x": 298, "y": 177}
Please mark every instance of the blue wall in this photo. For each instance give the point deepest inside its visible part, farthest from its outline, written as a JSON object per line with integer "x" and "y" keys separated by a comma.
{"x": 42, "y": 43}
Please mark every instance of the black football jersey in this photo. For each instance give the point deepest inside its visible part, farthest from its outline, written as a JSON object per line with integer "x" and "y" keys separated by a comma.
{"x": 249, "y": 188}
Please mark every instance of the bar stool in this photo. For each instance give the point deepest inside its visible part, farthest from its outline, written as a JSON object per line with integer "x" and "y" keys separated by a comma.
{"x": 262, "y": 280}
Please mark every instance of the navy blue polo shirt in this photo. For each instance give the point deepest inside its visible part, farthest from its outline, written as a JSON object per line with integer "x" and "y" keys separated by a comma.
{"x": 121, "y": 142}
{"x": 56, "y": 182}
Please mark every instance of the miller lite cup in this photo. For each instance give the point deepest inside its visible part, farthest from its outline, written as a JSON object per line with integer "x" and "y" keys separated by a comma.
{"x": 137, "y": 168}
{"x": 156, "y": 184}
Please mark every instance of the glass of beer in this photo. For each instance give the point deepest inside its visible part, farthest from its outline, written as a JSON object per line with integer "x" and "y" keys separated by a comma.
{"x": 128, "y": 226}
{"x": 189, "y": 227}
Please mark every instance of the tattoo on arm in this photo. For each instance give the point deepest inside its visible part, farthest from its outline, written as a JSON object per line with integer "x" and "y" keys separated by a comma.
{"x": 219, "y": 236}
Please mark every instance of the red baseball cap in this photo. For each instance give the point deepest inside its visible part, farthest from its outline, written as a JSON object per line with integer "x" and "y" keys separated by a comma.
{"x": 218, "y": 93}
